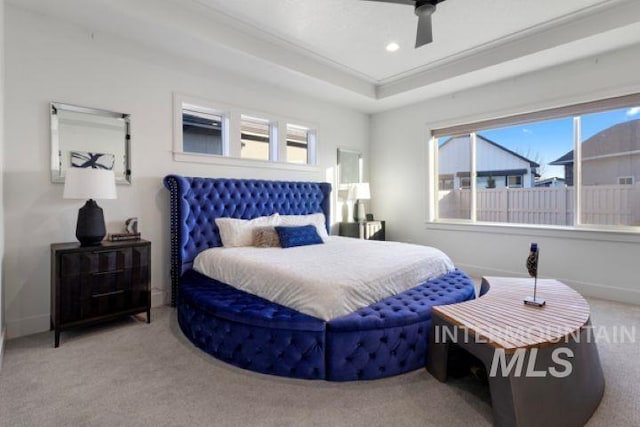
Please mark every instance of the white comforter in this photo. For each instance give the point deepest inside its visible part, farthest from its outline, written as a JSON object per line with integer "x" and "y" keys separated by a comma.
{"x": 329, "y": 280}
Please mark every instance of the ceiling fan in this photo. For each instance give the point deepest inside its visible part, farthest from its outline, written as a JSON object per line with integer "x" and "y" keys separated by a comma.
{"x": 424, "y": 9}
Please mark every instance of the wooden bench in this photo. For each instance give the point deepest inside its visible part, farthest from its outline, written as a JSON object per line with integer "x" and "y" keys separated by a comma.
{"x": 543, "y": 363}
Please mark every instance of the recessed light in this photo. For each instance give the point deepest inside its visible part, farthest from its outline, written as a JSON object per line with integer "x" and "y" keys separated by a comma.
{"x": 392, "y": 47}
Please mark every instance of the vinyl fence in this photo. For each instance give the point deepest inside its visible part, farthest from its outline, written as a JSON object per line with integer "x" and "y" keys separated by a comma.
{"x": 601, "y": 204}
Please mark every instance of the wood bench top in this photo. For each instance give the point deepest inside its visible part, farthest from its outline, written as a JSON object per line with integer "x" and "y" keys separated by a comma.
{"x": 502, "y": 319}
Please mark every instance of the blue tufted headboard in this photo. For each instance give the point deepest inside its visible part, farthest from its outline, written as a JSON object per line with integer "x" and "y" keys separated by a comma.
{"x": 196, "y": 202}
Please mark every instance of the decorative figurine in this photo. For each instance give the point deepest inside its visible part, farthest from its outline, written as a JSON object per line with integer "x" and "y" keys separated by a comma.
{"x": 532, "y": 268}
{"x": 131, "y": 225}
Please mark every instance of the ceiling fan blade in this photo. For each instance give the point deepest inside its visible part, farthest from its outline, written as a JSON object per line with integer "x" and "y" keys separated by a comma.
{"x": 409, "y": 2}
{"x": 425, "y": 35}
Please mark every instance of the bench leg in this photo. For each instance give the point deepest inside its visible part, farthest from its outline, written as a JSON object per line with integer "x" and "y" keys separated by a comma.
{"x": 438, "y": 351}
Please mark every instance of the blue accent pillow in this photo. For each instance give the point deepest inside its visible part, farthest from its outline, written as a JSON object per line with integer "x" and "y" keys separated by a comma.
{"x": 298, "y": 236}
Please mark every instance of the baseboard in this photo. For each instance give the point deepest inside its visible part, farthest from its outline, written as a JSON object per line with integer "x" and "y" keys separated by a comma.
{"x": 28, "y": 326}
{"x": 2, "y": 335}
{"x": 36, "y": 324}
{"x": 159, "y": 297}
{"x": 595, "y": 290}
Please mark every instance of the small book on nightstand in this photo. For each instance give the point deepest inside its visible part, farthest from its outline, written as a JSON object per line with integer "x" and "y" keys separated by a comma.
{"x": 121, "y": 237}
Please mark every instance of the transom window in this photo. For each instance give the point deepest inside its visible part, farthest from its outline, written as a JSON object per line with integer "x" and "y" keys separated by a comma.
{"x": 207, "y": 132}
{"x": 297, "y": 144}
{"x": 202, "y": 130}
{"x": 571, "y": 166}
{"x": 255, "y": 137}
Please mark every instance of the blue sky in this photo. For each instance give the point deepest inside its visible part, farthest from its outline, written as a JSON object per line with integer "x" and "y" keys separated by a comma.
{"x": 544, "y": 142}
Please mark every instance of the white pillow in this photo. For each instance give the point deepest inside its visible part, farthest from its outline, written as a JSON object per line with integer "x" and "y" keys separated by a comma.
{"x": 316, "y": 219}
{"x": 239, "y": 232}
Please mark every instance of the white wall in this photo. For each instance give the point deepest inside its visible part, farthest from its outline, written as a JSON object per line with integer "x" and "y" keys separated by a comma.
{"x": 600, "y": 264}
{"x": 2, "y": 326}
{"x": 52, "y": 61}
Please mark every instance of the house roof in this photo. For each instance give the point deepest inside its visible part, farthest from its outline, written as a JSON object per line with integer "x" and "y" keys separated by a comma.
{"x": 565, "y": 159}
{"x": 548, "y": 180}
{"x": 495, "y": 173}
{"x": 495, "y": 144}
{"x": 621, "y": 138}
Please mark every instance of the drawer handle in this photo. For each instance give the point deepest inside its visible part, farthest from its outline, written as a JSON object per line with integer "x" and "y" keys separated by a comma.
{"x": 100, "y": 273}
{"x": 107, "y": 251}
{"x": 106, "y": 294}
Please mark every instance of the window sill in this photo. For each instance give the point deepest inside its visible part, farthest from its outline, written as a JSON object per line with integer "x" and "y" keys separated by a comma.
{"x": 626, "y": 235}
{"x": 243, "y": 163}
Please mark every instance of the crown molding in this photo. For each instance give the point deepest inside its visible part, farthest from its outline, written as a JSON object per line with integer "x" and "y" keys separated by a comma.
{"x": 202, "y": 33}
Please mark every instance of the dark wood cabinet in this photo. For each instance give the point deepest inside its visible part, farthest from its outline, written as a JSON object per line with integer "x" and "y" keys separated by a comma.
{"x": 370, "y": 230}
{"x": 90, "y": 284}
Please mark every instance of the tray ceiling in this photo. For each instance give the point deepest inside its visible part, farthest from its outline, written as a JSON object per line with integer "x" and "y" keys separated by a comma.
{"x": 353, "y": 34}
{"x": 335, "y": 49}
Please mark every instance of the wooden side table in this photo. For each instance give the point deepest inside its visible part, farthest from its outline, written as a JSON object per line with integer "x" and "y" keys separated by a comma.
{"x": 546, "y": 367}
{"x": 369, "y": 230}
{"x": 92, "y": 284}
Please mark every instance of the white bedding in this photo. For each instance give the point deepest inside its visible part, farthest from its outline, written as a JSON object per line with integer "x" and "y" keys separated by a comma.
{"x": 328, "y": 280}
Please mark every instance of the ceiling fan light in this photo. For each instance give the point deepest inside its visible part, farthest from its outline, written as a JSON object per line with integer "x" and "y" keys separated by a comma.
{"x": 392, "y": 47}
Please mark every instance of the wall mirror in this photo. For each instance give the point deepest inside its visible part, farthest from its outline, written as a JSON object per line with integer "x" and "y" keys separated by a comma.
{"x": 349, "y": 166}
{"x": 88, "y": 137}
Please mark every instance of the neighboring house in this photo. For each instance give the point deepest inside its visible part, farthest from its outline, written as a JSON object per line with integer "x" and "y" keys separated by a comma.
{"x": 555, "y": 182}
{"x": 610, "y": 157}
{"x": 497, "y": 166}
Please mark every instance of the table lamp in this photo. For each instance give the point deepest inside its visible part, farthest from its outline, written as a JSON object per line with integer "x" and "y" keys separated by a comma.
{"x": 360, "y": 192}
{"x": 88, "y": 183}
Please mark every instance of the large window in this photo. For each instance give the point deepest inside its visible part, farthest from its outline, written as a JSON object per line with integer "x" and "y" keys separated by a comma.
{"x": 610, "y": 151}
{"x": 580, "y": 169}
{"x": 454, "y": 171}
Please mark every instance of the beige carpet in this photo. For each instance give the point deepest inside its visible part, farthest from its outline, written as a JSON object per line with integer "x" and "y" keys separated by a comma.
{"x": 129, "y": 373}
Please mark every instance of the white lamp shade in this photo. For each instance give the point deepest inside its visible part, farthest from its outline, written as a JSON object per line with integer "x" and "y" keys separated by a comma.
{"x": 360, "y": 191}
{"x": 88, "y": 183}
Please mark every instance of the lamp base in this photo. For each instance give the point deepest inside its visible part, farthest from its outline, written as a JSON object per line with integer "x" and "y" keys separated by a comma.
{"x": 536, "y": 302}
{"x": 360, "y": 214}
{"x": 90, "y": 229}
{"x": 348, "y": 211}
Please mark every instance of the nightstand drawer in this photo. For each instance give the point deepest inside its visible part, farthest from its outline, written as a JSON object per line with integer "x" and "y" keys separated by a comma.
{"x": 96, "y": 261}
{"x": 107, "y": 282}
{"x": 116, "y": 301}
{"x": 95, "y": 294}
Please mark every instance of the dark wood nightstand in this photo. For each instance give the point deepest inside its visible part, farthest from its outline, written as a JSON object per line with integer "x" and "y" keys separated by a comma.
{"x": 91, "y": 284}
{"x": 370, "y": 230}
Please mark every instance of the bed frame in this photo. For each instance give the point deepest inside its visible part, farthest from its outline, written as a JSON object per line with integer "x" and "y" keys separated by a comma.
{"x": 384, "y": 339}
{"x": 196, "y": 202}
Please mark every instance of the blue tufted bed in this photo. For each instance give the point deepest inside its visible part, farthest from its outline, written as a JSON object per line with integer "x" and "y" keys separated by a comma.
{"x": 384, "y": 339}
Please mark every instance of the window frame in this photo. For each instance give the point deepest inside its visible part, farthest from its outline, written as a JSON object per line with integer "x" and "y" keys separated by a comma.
{"x": 224, "y": 123}
{"x": 518, "y": 178}
{"x": 311, "y": 142}
{"x": 576, "y": 111}
{"x": 272, "y": 135}
{"x": 631, "y": 180}
{"x": 232, "y": 136}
